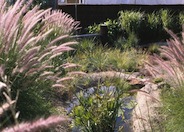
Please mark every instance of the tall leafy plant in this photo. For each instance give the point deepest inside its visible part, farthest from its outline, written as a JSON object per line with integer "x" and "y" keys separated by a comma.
{"x": 166, "y": 17}
{"x": 114, "y": 30}
{"x": 98, "y": 111}
{"x": 181, "y": 18}
{"x": 131, "y": 20}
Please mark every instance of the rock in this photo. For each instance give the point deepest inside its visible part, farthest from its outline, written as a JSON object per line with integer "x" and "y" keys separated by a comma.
{"x": 148, "y": 100}
{"x": 136, "y": 83}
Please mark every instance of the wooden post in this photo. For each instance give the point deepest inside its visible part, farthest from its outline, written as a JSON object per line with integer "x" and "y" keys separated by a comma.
{"x": 104, "y": 34}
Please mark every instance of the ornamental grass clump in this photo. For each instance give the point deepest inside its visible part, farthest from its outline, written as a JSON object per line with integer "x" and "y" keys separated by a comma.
{"x": 31, "y": 41}
{"x": 169, "y": 64}
{"x": 21, "y": 49}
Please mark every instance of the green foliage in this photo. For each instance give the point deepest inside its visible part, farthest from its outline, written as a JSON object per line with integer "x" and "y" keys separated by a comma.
{"x": 85, "y": 46}
{"x": 154, "y": 20}
{"x": 98, "y": 111}
{"x": 94, "y": 58}
{"x": 32, "y": 103}
{"x": 133, "y": 27}
{"x": 173, "y": 109}
{"x": 127, "y": 43}
{"x": 154, "y": 49}
{"x": 171, "y": 21}
{"x": 90, "y": 56}
{"x": 181, "y": 18}
{"x": 153, "y": 24}
{"x": 114, "y": 30}
{"x": 95, "y": 28}
{"x": 33, "y": 97}
{"x": 153, "y": 27}
{"x": 167, "y": 18}
{"x": 131, "y": 20}
{"x": 130, "y": 60}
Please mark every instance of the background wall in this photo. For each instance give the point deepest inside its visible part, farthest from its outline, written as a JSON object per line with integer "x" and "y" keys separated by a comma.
{"x": 142, "y": 2}
{"x": 90, "y": 14}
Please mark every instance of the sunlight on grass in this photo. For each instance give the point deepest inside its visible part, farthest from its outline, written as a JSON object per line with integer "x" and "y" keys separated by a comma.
{"x": 173, "y": 102}
{"x": 95, "y": 58}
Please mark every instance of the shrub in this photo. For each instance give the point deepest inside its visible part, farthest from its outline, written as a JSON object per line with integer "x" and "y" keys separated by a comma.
{"x": 139, "y": 27}
{"x": 181, "y": 18}
{"x": 167, "y": 18}
{"x": 153, "y": 24}
{"x": 131, "y": 21}
{"x": 95, "y": 28}
{"x": 153, "y": 28}
{"x": 114, "y": 30}
{"x": 170, "y": 21}
{"x": 154, "y": 20}
{"x": 30, "y": 40}
{"x": 98, "y": 111}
